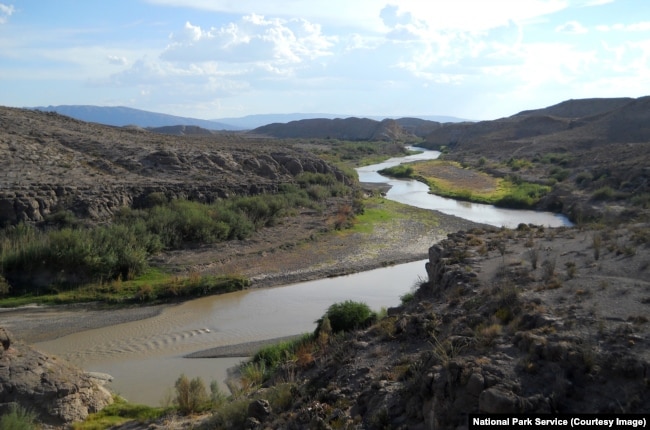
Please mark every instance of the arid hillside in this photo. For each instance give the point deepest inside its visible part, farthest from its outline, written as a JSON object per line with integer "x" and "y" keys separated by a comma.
{"x": 594, "y": 152}
{"x": 50, "y": 162}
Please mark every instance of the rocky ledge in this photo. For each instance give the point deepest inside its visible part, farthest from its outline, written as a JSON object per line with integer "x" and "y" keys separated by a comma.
{"x": 57, "y": 392}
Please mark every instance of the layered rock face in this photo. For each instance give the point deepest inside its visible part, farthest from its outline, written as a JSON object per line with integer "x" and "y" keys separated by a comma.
{"x": 50, "y": 162}
{"x": 56, "y": 391}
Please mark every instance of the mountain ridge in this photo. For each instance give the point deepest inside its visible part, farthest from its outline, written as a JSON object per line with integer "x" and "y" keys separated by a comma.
{"x": 121, "y": 116}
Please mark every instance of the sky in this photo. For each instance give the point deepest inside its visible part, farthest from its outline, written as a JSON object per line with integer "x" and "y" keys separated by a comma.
{"x": 473, "y": 59}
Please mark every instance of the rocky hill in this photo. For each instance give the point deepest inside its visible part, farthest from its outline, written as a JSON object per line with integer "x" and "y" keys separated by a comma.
{"x": 55, "y": 391}
{"x": 342, "y": 129}
{"x": 595, "y": 153}
{"x": 527, "y": 321}
{"x": 572, "y": 126}
{"x": 50, "y": 162}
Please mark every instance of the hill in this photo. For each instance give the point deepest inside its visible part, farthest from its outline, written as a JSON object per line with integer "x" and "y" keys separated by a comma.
{"x": 121, "y": 116}
{"x": 250, "y": 122}
{"x": 342, "y": 129}
{"x": 594, "y": 152}
{"x": 50, "y": 162}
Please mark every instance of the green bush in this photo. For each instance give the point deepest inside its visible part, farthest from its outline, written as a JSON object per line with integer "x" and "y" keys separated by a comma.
{"x": 559, "y": 174}
{"x": 348, "y": 316}
{"x": 604, "y": 193}
{"x": 191, "y": 396}
{"x": 399, "y": 171}
{"x": 272, "y": 355}
{"x": 524, "y": 195}
{"x": 18, "y": 418}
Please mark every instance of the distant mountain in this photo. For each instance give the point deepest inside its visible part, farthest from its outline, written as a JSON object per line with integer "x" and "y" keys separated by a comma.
{"x": 344, "y": 129}
{"x": 573, "y": 125}
{"x": 121, "y": 116}
{"x": 250, "y": 122}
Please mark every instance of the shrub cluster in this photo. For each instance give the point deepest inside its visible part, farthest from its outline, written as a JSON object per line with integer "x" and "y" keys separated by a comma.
{"x": 523, "y": 195}
{"x": 399, "y": 171}
{"x": 348, "y": 315}
{"x": 74, "y": 254}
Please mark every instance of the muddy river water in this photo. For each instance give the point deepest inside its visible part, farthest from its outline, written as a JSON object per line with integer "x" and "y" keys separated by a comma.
{"x": 145, "y": 357}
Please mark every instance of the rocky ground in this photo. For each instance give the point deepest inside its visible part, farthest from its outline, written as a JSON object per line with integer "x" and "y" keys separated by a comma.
{"x": 531, "y": 320}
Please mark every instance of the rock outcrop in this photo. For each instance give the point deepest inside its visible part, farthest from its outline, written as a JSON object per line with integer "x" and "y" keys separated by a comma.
{"x": 57, "y": 392}
{"x": 50, "y": 163}
{"x": 489, "y": 332}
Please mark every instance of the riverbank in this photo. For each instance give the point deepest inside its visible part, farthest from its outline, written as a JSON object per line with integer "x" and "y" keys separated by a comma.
{"x": 388, "y": 233}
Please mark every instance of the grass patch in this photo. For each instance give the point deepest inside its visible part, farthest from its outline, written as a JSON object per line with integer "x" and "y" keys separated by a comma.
{"x": 154, "y": 286}
{"x": 117, "y": 413}
{"x": 378, "y": 210}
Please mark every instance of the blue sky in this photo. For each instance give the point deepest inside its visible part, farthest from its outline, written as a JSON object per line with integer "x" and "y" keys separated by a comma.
{"x": 473, "y": 59}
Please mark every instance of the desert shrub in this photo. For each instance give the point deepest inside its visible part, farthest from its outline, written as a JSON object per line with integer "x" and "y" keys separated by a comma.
{"x": 533, "y": 257}
{"x": 272, "y": 355}
{"x": 583, "y": 179}
{"x": 559, "y": 158}
{"x": 344, "y": 217}
{"x": 217, "y": 397}
{"x": 518, "y": 163}
{"x": 318, "y": 192}
{"x": 63, "y": 218}
{"x": 348, "y": 316}
{"x": 597, "y": 242}
{"x": 604, "y": 193}
{"x": 548, "y": 269}
{"x": 191, "y": 396}
{"x": 18, "y": 418}
{"x": 641, "y": 200}
{"x": 75, "y": 256}
{"x": 559, "y": 174}
{"x": 154, "y": 199}
{"x": 407, "y": 297}
{"x": 571, "y": 269}
{"x": 252, "y": 375}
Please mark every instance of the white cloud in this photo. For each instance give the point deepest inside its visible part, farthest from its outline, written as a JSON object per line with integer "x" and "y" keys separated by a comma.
{"x": 253, "y": 39}
{"x": 5, "y": 12}
{"x": 572, "y": 27}
{"x": 117, "y": 60}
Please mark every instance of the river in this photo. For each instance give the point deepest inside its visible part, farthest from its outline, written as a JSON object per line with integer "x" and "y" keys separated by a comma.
{"x": 146, "y": 357}
{"x": 416, "y": 193}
